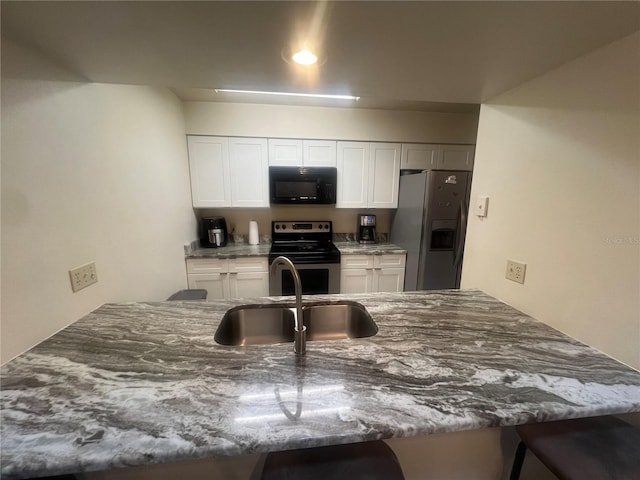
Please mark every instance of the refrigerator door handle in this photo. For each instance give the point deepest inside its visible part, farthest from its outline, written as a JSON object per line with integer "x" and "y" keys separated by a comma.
{"x": 460, "y": 240}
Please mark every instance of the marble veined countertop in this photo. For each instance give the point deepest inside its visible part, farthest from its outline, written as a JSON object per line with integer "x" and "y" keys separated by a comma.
{"x": 355, "y": 248}
{"x": 142, "y": 383}
{"x": 234, "y": 250}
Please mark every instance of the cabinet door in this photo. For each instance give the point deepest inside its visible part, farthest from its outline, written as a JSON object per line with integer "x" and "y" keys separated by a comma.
{"x": 209, "y": 171}
{"x": 356, "y": 280}
{"x": 456, "y": 157}
{"x": 319, "y": 153}
{"x": 249, "y": 167}
{"x": 384, "y": 175}
{"x": 353, "y": 174}
{"x": 248, "y": 284}
{"x": 419, "y": 156}
{"x": 285, "y": 152}
{"x": 388, "y": 280}
{"x": 216, "y": 284}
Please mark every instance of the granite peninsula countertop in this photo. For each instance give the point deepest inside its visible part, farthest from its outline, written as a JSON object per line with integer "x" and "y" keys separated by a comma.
{"x": 142, "y": 383}
{"x": 234, "y": 250}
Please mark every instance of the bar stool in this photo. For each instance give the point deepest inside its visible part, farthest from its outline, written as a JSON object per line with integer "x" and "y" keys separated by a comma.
{"x": 595, "y": 448}
{"x": 189, "y": 294}
{"x": 356, "y": 461}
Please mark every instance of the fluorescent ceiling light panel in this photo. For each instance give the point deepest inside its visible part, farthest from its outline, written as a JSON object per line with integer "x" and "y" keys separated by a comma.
{"x": 289, "y": 94}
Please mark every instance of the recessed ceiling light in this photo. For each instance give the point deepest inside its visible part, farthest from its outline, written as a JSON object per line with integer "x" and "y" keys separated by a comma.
{"x": 304, "y": 57}
{"x": 289, "y": 94}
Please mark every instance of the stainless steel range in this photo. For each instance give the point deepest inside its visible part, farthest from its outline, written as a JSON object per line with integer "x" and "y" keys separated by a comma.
{"x": 308, "y": 245}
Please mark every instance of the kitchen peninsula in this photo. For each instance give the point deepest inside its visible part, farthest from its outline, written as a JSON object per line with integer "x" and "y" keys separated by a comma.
{"x": 142, "y": 383}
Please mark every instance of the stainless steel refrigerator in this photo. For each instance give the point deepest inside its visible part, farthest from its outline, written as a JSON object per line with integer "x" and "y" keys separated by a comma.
{"x": 430, "y": 223}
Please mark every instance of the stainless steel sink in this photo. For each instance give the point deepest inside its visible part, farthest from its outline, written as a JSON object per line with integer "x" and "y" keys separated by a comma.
{"x": 255, "y": 325}
{"x": 269, "y": 324}
{"x": 338, "y": 321}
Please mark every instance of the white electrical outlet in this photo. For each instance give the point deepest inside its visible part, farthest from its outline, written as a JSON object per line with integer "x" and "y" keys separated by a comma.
{"x": 515, "y": 271}
{"x": 83, "y": 276}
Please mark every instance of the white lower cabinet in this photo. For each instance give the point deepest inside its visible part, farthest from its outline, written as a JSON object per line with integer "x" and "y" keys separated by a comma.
{"x": 372, "y": 273}
{"x": 229, "y": 278}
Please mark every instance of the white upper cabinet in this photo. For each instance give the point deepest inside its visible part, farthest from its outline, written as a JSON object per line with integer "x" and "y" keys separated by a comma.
{"x": 319, "y": 153}
{"x": 456, "y": 157}
{"x": 384, "y": 175}
{"x": 368, "y": 175}
{"x": 209, "y": 171}
{"x": 285, "y": 152}
{"x": 234, "y": 171}
{"x": 419, "y": 156}
{"x": 299, "y": 153}
{"x": 249, "y": 168}
{"x": 353, "y": 174}
{"x": 424, "y": 156}
{"x": 228, "y": 172}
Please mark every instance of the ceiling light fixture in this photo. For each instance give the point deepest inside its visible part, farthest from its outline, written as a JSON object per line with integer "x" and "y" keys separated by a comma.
{"x": 290, "y": 94}
{"x": 304, "y": 57}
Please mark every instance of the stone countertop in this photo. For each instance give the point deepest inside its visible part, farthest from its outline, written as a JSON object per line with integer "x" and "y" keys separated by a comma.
{"x": 262, "y": 250}
{"x": 232, "y": 250}
{"x": 143, "y": 383}
{"x": 355, "y": 248}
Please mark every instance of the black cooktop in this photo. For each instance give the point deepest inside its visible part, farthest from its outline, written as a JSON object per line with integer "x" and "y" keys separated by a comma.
{"x": 303, "y": 242}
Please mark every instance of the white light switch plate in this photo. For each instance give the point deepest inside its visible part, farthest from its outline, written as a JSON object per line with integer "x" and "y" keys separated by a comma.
{"x": 481, "y": 206}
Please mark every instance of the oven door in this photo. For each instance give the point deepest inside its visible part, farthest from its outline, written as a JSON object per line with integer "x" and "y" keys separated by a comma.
{"x": 316, "y": 279}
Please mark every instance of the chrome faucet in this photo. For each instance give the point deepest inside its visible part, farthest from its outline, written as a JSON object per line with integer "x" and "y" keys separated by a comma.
{"x": 299, "y": 331}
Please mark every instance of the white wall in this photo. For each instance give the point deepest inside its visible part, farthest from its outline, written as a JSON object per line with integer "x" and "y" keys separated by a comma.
{"x": 559, "y": 158}
{"x": 237, "y": 119}
{"x": 90, "y": 172}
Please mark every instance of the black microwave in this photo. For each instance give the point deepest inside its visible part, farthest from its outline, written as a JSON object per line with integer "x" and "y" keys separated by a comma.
{"x": 303, "y": 185}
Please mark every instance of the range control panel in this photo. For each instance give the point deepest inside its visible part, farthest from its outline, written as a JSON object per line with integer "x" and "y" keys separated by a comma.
{"x": 301, "y": 227}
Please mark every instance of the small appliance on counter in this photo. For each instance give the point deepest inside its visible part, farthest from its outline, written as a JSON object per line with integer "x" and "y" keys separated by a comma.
{"x": 366, "y": 228}
{"x": 254, "y": 236}
{"x": 214, "y": 232}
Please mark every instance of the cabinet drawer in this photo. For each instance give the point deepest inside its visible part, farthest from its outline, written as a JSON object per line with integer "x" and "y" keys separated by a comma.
{"x": 389, "y": 261}
{"x": 249, "y": 264}
{"x": 207, "y": 265}
{"x": 356, "y": 261}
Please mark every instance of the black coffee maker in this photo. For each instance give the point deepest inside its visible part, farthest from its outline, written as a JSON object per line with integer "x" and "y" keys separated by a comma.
{"x": 213, "y": 232}
{"x": 366, "y": 228}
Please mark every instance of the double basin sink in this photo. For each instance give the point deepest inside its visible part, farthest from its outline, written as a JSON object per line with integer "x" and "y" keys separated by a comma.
{"x": 274, "y": 323}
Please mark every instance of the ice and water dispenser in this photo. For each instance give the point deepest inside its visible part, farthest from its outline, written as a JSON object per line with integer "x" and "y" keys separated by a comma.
{"x": 447, "y": 196}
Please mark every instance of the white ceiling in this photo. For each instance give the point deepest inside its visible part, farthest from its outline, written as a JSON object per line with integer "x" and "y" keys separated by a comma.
{"x": 404, "y": 55}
